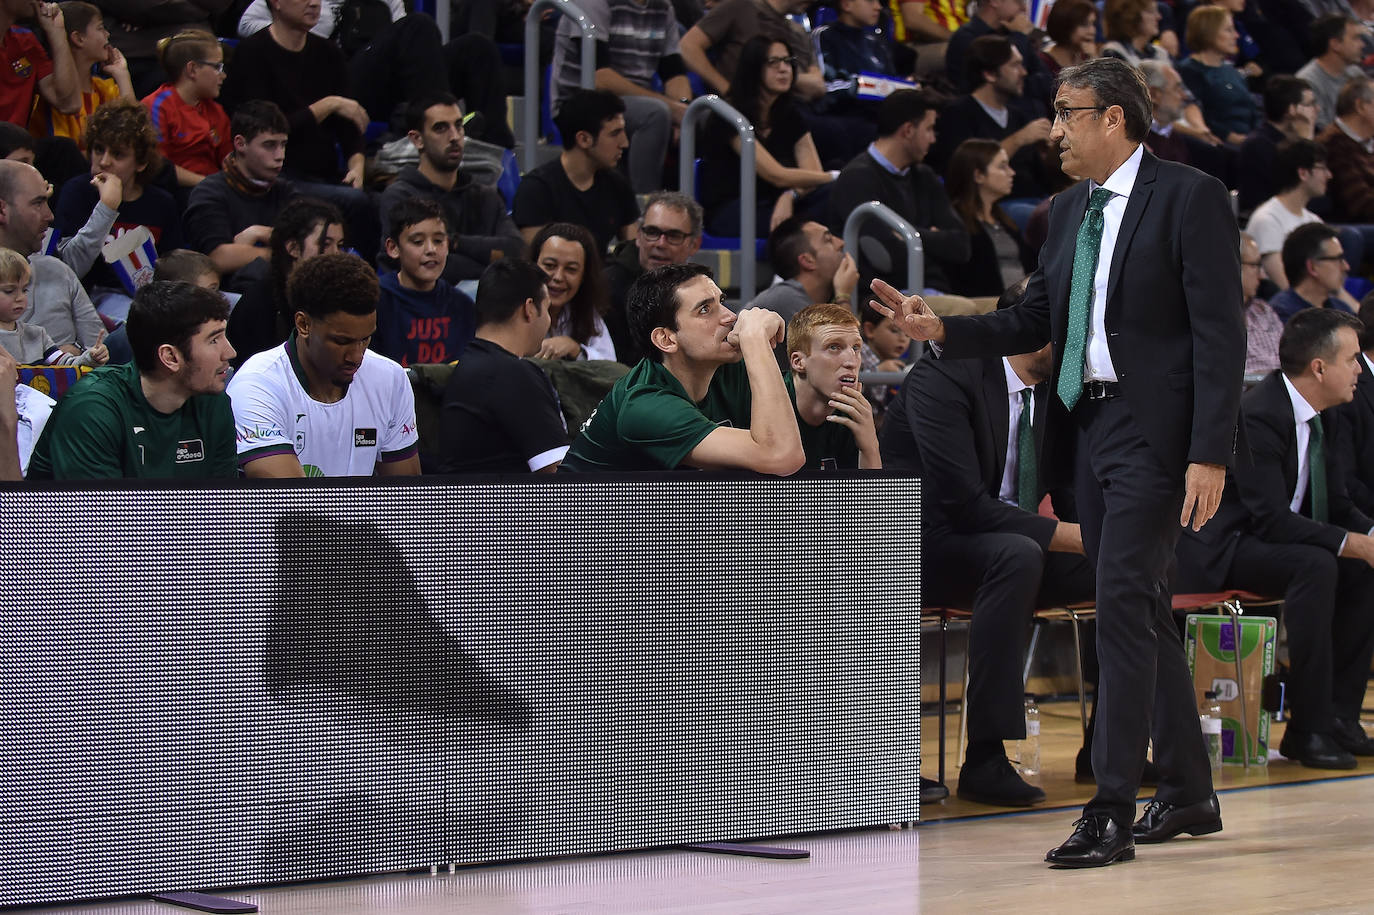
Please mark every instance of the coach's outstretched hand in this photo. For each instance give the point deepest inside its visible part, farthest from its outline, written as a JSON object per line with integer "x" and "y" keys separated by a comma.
{"x": 910, "y": 311}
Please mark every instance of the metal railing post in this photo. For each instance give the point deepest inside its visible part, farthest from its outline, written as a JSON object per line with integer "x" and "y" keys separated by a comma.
{"x": 533, "y": 84}
{"x": 697, "y": 111}
{"x": 915, "y": 258}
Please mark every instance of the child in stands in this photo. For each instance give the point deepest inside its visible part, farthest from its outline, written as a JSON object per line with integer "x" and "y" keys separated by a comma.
{"x": 193, "y": 130}
{"x": 30, "y": 344}
{"x": 92, "y": 53}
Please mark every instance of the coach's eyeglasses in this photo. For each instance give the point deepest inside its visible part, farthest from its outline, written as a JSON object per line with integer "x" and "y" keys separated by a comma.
{"x": 1062, "y": 114}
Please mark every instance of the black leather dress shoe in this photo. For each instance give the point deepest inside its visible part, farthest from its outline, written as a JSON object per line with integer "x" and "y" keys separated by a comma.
{"x": 1351, "y": 738}
{"x": 932, "y": 792}
{"x": 1315, "y": 751}
{"x": 1096, "y": 842}
{"x": 1162, "y": 821}
{"x": 994, "y": 781}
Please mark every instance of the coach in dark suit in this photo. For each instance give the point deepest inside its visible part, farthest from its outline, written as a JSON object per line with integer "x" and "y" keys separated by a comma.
{"x": 973, "y": 430}
{"x": 1136, "y": 287}
{"x": 1354, "y": 422}
{"x": 1288, "y": 527}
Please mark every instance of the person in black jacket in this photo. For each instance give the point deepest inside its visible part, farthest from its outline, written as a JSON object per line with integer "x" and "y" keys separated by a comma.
{"x": 1287, "y": 526}
{"x": 892, "y": 172}
{"x": 1355, "y": 421}
{"x": 980, "y": 175}
{"x": 480, "y": 230}
{"x": 974, "y": 431}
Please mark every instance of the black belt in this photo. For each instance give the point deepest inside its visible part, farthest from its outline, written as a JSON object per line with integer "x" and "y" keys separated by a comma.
{"x": 1101, "y": 390}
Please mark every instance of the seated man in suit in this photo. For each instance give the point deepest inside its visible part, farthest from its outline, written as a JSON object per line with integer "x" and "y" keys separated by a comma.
{"x": 974, "y": 430}
{"x": 1286, "y": 526}
{"x": 1354, "y": 422}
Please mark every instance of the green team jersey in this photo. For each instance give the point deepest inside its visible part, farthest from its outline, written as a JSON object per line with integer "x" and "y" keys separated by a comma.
{"x": 647, "y": 421}
{"x": 104, "y": 428}
{"x": 829, "y": 446}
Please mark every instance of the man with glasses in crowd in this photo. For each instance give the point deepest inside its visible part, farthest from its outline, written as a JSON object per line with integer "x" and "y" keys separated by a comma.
{"x": 1316, "y": 267}
{"x": 669, "y": 233}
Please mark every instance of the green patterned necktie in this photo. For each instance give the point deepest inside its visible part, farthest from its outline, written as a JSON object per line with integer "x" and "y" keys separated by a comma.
{"x": 1316, "y": 471}
{"x": 1081, "y": 298}
{"x": 1027, "y": 477}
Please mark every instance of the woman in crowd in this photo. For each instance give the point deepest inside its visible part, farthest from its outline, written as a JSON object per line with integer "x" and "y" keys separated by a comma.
{"x": 980, "y": 175}
{"x": 1072, "y": 25}
{"x": 1131, "y": 27}
{"x": 577, "y": 293}
{"x": 785, "y": 158}
{"x": 1220, "y": 89}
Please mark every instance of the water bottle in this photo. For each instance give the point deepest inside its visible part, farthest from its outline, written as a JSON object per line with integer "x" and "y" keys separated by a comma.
{"x": 1210, "y": 717}
{"x": 1029, "y": 756}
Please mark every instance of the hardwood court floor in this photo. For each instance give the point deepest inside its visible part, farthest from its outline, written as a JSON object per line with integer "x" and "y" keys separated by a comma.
{"x": 1299, "y": 847}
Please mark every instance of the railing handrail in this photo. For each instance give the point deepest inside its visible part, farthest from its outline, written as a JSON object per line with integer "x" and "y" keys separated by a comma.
{"x": 533, "y": 84}
{"x": 915, "y": 258}
{"x": 698, "y": 110}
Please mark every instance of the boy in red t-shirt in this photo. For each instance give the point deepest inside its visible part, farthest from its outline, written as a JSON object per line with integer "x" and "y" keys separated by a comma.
{"x": 192, "y": 128}
{"x": 26, "y": 69}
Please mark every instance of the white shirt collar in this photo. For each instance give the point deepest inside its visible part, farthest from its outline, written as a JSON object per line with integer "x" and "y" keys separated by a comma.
{"x": 1122, "y": 180}
{"x": 1014, "y": 383}
{"x": 1302, "y": 410}
{"x": 1366, "y": 142}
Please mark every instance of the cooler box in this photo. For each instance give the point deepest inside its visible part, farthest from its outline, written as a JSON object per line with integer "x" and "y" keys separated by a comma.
{"x": 1211, "y": 644}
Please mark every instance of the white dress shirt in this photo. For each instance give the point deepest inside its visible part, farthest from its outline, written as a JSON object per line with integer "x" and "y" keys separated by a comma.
{"x": 1302, "y": 412}
{"x": 1015, "y": 386}
{"x": 1097, "y": 362}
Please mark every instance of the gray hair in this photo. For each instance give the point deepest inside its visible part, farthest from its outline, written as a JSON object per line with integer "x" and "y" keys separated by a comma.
{"x": 1156, "y": 73}
{"x": 1114, "y": 82}
{"x": 676, "y": 200}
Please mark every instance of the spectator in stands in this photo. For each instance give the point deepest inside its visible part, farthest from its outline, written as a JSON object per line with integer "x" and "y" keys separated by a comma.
{"x": 980, "y": 175}
{"x": 929, "y": 25}
{"x": 57, "y": 302}
{"x": 1290, "y": 113}
{"x": 13, "y": 460}
{"x": 1219, "y": 88}
{"x": 481, "y": 231}
{"x": 704, "y": 365}
{"x": 186, "y": 266}
{"x": 323, "y": 404}
{"x": 1316, "y": 268}
{"x": 813, "y": 266}
{"x": 974, "y": 430}
{"x": 394, "y": 57}
{"x": 307, "y": 77}
{"x": 582, "y": 186}
{"x": 577, "y": 293}
{"x": 193, "y": 129}
{"x": 1338, "y": 48}
{"x": 638, "y": 42}
{"x": 164, "y": 415}
{"x": 1131, "y": 27}
{"x": 89, "y": 43}
{"x": 834, "y": 419}
{"x": 1004, "y": 19}
{"x": 307, "y": 227}
{"x": 730, "y": 25}
{"x": 1302, "y": 175}
{"x": 1286, "y": 526}
{"x": 138, "y": 26}
{"x": 669, "y": 232}
{"x": 31, "y": 72}
{"x": 16, "y": 143}
{"x": 1349, "y": 143}
{"x": 1354, "y": 432}
{"x": 30, "y": 344}
{"x": 885, "y": 350}
{"x": 1263, "y": 326}
{"x": 421, "y": 318}
{"x": 480, "y": 432}
{"x": 853, "y": 47}
{"x": 123, "y": 146}
{"x": 996, "y": 72}
{"x": 892, "y": 171}
{"x": 230, "y": 213}
{"x": 785, "y": 158}
{"x": 1072, "y": 26}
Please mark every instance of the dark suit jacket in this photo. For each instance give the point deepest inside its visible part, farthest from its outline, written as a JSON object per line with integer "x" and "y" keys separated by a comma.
{"x": 1176, "y": 339}
{"x": 1258, "y": 492}
{"x": 1353, "y": 437}
{"x": 949, "y": 425}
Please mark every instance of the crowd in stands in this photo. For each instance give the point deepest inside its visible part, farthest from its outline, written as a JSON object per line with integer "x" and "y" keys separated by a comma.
{"x": 192, "y": 211}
